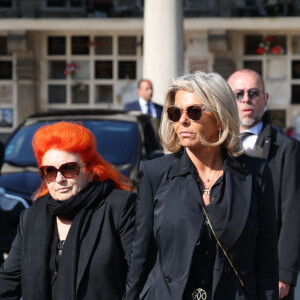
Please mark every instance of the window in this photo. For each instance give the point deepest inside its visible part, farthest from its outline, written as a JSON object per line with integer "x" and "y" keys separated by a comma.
{"x": 6, "y": 86}
{"x": 84, "y": 70}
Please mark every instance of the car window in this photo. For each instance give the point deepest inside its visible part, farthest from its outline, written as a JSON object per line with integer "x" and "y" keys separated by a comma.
{"x": 118, "y": 142}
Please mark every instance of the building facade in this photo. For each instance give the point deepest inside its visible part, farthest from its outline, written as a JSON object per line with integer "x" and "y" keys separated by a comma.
{"x": 76, "y": 54}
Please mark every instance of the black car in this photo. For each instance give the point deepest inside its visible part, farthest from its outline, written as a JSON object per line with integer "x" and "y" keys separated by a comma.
{"x": 123, "y": 139}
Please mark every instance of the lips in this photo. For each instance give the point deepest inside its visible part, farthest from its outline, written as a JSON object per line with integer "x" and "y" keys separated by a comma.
{"x": 186, "y": 133}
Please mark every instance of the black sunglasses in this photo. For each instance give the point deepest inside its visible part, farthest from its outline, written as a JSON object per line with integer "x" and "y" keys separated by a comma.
{"x": 68, "y": 170}
{"x": 253, "y": 94}
{"x": 194, "y": 112}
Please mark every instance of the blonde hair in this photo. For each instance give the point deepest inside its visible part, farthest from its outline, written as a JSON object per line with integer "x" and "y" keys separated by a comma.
{"x": 216, "y": 95}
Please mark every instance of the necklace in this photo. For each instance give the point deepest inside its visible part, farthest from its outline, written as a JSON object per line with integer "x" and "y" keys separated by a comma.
{"x": 206, "y": 189}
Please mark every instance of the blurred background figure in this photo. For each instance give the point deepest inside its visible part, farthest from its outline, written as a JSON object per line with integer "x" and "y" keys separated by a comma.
{"x": 144, "y": 103}
{"x": 78, "y": 231}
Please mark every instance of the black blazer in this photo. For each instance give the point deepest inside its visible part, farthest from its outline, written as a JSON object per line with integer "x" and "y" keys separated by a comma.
{"x": 283, "y": 155}
{"x": 135, "y": 105}
{"x": 168, "y": 223}
{"x": 104, "y": 253}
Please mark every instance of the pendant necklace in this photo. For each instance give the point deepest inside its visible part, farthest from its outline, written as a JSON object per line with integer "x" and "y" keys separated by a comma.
{"x": 206, "y": 189}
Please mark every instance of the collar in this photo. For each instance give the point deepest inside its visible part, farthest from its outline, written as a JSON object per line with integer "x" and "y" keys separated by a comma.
{"x": 182, "y": 165}
{"x": 255, "y": 129}
{"x": 143, "y": 102}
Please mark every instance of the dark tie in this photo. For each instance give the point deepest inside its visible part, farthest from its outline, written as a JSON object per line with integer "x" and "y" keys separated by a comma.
{"x": 246, "y": 134}
{"x": 148, "y": 108}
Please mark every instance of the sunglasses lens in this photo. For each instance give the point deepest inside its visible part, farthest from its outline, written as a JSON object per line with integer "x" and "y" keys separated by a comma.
{"x": 174, "y": 113}
{"x": 48, "y": 172}
{"x": 70, "y": 170}
{"x": 253, "y": 95}
{"x": 194, "y": 112}
{"x": 239, "y": 96}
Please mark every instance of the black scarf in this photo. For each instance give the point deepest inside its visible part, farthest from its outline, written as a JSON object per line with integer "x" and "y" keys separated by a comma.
{"x": 38, "y": 235}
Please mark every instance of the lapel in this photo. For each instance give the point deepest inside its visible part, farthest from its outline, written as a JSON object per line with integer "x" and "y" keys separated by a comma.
{"x": 188, "y": 195}
{"x": 88, "y": 242}
{"x": 264, "y": 137}
{"x": 238, "y": 194}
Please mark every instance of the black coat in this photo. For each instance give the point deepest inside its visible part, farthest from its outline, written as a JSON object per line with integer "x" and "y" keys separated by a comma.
{"x": 283, "y": 155}
{"x": 168, "y": 223}
{"x": 104, "y": 253}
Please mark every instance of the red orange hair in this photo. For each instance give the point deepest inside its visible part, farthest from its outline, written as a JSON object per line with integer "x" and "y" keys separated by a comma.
{"x": 75, "y": 138}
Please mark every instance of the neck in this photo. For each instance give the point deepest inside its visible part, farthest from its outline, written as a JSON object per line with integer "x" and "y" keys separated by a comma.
{"x": 206, "y": 159}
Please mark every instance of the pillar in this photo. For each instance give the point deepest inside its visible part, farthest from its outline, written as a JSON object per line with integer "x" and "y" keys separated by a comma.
{"x": 163, "y": 44}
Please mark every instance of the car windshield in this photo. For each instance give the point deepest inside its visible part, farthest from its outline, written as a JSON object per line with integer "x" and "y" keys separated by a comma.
{"x": 118, "y": 142}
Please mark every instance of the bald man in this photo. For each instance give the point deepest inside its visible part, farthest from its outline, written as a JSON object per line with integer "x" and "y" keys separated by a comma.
{"x": 283, "y": 156}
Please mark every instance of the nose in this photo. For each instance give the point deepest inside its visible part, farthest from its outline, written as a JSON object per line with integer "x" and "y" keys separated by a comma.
{"x": 59, "y": 177}
{"x": 184, "y": 119}
{"x": 246, "y": 97}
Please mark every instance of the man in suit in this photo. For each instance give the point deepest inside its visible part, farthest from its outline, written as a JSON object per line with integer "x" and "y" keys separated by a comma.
{"x": 283, "y": 156}
{"x": 144, "y": 103}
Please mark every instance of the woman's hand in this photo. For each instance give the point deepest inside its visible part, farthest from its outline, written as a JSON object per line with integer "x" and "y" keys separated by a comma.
{"x": 284, "y": 288}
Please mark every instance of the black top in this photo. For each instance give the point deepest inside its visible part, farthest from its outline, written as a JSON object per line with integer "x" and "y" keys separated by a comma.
{"x": 201, "y": 271}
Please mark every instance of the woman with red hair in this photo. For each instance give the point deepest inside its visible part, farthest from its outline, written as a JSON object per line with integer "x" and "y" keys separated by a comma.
{"x": 74, "y": 242}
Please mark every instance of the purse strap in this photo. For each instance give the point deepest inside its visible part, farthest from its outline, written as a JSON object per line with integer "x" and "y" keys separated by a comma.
{"x": 219, "y": 243}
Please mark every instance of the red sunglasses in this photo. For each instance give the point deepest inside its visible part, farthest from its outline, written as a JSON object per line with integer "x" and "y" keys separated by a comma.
{"x": 68, "y": 170}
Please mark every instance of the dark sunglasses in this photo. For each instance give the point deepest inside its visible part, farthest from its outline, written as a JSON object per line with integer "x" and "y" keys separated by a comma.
{"x": 253, "y": 94}
{"x": 194, "y": 112}
{"x": 68, "y": 170}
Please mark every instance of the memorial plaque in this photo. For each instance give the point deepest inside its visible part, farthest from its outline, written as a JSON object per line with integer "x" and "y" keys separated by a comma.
{"x": 5, "y": 3}
{"x": 295, "y": 44}
{"x": 56, "y": 45}
{"x": 103, "y": 45}
{"x": 278, "y": 117}
{"x": 6, "y": 117}
{"x": 6, "y": 94}
{"x": 56, "y": 94}
{"x": 295, "y": 69}
{"x": 127, "y": 69}
{"x": 104, "y": 94}
{"x": 80, "y": 93}
{"x": 80, "y": 45}
{"x": 255, "y": 65}
{"x": 295, "y": 94}
{"x": 3, "y": 45}
{"x": 57, "y": 69}
{"x": 251, "y": 43}
{"x": 5, "y": 70}
{"x": 76, "y": 3}
{"x": 127, "y": 45}
{"x": 103, "y": 69}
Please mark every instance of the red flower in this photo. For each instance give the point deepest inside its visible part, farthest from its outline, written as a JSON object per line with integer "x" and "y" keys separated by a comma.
{"x": 260, "y": 50}
{"x": 276, "y": 50}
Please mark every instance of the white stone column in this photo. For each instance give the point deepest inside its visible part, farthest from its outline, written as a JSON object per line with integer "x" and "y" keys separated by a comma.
{"x": 163, "y": 44}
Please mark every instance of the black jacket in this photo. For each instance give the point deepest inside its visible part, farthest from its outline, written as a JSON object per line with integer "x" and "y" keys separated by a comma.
{"x": 169, "y": 219}
{"x": 283, "y": 155}
{"x": 135, "y": 105}
{"x": 104, "y": 253}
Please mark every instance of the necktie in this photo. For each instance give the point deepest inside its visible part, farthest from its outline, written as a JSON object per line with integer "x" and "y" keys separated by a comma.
{"x": 246, "y": 134}
{"x": 148, "y": 108}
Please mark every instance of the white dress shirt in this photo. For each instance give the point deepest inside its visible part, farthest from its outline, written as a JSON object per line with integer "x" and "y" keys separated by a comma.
{"x": 144, "y": 107}
{"x": 249, "y": 142}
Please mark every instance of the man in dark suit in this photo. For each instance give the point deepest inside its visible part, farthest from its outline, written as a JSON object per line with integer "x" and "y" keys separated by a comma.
{"x": 144, "y": 103}
{"x": 283, "y": 156}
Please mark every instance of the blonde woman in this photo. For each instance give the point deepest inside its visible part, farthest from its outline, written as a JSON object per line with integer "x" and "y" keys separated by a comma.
{"x": 205, "y": 222}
